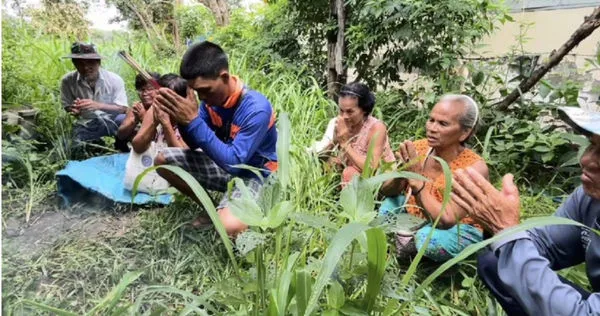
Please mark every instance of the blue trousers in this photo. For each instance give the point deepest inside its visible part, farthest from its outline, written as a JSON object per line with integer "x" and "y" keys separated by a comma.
{"x": 487, "y": 270}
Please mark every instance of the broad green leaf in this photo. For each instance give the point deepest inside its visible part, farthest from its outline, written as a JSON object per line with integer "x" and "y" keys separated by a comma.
{"x": 335, "y": 295}
{"x": 246, "y": 208}
{"x": 334, "y": 253}
{"x": 358, "y": 201}
{"x": 277, "y": 215}
{"x": 376, "y": 262}
{"x": 478, "y": 78}
{"x": 378, "y": 179}
{"x": 527, "y": 224}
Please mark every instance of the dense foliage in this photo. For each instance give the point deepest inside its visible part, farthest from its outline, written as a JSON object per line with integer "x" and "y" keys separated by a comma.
{"x": 155, "y": 263}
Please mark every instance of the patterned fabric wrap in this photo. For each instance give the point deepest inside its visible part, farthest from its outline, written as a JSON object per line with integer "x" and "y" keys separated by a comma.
{"x": 208, "y": 173}
{"x": 445, "y": 244}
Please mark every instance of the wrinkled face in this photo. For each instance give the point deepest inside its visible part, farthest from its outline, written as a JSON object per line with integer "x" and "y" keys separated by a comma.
{"x": 88, "y": 68}
{"x": 212, "y": 91}
{"x": 590, "y": 168}
{"x": 350, "y": 112}
{"x": 443, "y": 128}
{"x": 147, "y": 94}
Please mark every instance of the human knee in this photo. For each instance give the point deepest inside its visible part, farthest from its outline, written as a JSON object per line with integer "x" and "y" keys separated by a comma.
{"x": 233, "y": 226}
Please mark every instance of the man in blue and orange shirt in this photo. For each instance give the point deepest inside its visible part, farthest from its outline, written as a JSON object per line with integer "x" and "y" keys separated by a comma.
{"x": 232, "y": 126}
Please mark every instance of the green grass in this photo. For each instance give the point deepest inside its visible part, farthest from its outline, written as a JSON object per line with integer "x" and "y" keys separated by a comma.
{"x": 186, "y": 270}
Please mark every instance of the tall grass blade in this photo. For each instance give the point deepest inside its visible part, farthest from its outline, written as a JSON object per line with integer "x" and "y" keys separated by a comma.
{"x": 113, "y": 297}
{"x": 412, "y": 269}
{"x": 368, "y": 167}
{"x": 283, "y": 149}
{"x": 334, "y": 253}
{"x": 204, "y": 199}
{"x": 527, "y": 224}
{"x": 303, "y": 287}
{"x": 376, "y": 258}
{"x": 47, "y": 308}
{"x": 486, "y": 143}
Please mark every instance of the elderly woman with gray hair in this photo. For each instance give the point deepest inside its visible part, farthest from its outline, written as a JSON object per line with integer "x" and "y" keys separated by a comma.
{"x": 451, "y": 123}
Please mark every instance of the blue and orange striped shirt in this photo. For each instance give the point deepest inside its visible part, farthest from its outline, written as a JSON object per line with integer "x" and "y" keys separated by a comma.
{"x": 251, "y": 134}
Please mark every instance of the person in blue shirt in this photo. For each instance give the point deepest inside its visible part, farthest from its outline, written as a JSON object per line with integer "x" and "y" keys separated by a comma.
{"x": 520, "y": 269}
{"x": 232, "y": 126}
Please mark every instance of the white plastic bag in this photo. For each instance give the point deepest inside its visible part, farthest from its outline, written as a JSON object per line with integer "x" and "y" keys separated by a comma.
{"x": 319, "y": 146}
{"x": 136, "y": 164}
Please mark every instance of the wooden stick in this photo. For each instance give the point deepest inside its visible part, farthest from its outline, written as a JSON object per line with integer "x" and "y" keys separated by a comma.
{"x": 131, "y": 62}
{"x": 590, "y": 24}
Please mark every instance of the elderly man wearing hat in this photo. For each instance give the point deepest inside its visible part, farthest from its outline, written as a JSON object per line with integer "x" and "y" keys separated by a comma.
{"x": 520, "y": 270}
{"x": 94, "y": 95}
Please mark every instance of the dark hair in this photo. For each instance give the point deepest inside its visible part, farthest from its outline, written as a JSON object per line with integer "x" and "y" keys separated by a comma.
{"x": 366, "y": 99}
{"x": 175, "y": 83}
{"x": 140, "y": 82}
{"x": 205, "y": 59}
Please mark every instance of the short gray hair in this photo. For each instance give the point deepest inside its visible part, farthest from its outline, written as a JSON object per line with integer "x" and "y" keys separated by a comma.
{"x": 470, "y": 117}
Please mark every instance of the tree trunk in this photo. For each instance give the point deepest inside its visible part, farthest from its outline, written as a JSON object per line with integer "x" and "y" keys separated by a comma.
{"x": 220, "y": 9}
{"x": 590, "y": 24}
{"x": 336, "y": 72}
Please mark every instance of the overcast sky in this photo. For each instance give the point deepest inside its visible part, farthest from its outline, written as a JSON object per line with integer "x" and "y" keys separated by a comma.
{"x": 100, "y": 14}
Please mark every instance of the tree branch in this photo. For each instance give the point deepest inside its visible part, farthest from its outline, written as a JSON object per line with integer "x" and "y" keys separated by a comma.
{"x": 590, "y": 24}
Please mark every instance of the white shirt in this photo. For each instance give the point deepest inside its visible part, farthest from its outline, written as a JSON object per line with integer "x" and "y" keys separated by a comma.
{"x": 110, "y": 89}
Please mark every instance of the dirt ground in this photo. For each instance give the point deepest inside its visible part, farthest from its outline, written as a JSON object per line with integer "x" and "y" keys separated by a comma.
{"x": 89, "y": 220}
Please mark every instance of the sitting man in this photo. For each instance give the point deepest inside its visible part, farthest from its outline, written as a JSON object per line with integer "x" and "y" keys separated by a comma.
{"x": 519, "y": 271}
{"x": 234, "y": 125}
{"x": 94, "y": 95}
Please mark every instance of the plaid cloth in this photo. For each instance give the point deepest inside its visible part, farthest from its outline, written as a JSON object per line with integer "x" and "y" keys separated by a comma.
{"x": 208, "y": 173}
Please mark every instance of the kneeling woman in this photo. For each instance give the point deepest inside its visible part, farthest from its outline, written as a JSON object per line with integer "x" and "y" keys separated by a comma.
{"x": 355, "y": 129}
{"x": 450, "y": 125}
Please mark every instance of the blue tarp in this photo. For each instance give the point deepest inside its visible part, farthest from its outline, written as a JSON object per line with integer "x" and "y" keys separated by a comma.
{"x": 102, "y": 175}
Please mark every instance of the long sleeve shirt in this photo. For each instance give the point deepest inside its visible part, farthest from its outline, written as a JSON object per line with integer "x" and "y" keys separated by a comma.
{"x": 250, "y": 139}
{"x": 526, "y": 261}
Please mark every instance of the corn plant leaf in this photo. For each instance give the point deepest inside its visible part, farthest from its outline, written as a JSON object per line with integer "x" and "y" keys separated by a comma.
{"x": 412, "y": 269}
{"x": 303, "y": 286}
{"x": 204, "y": 199}
{"x": 378, "y": 179}
{"x": 246, "y": 208}
{"x": 277, "y": 215}
{"x": 376, "y": 262}
{"x": 334, "y": 253}
{"x": 283, "y": 149}
{"x": 281, "y": 294}
{"x": 335, "y": 296}
{"x": 358, "y": 201}
{"x": 527, "y": 224}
